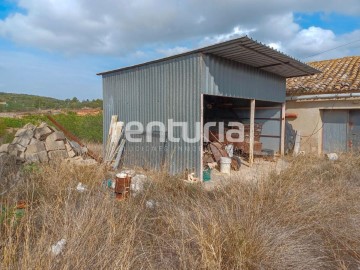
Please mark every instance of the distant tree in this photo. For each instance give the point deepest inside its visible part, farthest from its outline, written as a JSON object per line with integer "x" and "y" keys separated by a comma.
{"x": 74, "y": 100}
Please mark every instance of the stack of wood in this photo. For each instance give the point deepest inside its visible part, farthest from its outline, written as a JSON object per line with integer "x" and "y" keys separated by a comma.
{"x": 115, "y": 143}
{"x": 245, "y": 145}
{"x": 214, "y": 152}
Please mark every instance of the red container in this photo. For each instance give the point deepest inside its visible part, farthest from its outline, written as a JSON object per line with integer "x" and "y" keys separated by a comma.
{"x": 122, "y": 185}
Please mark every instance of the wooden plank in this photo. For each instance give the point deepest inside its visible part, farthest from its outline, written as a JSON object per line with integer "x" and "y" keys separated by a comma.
{"x": 297, "y": 144}
{"x": 119, "y": 154}
{"x": 252, "y": 131}
{"x": 282, "y": 139}
{"x": 257, "y": 108}
{"x": 113, "y": 121}
{"x": 114, "y": 141}
{"x": 217, "y": 151}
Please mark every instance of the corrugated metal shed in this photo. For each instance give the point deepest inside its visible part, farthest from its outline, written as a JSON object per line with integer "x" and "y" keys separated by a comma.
{"x": 172, "y": 88}
{"x": 157, "y": 92}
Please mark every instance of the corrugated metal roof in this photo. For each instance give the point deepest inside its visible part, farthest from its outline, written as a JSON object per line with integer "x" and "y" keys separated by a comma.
{"x": 250, "y": 52}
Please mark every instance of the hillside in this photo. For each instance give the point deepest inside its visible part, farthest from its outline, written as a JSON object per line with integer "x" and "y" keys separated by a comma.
{"x": 10, "y": 102}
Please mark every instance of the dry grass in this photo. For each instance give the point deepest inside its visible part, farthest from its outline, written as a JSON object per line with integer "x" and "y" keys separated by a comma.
{"x": 306, "y": 218}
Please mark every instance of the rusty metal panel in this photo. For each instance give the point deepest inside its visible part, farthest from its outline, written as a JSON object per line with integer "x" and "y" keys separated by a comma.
{"x": 224, "y": 77}
{"x": 335, "y": 127}
{"x": 157, "y": 92}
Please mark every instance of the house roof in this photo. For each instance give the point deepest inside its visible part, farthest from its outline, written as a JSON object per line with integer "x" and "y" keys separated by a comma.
{"x": 250, "y": 52}
{"x": 338, "y": 76}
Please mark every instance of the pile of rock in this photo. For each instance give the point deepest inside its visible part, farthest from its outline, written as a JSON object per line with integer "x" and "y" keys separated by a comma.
{"x": 42, "y": 144}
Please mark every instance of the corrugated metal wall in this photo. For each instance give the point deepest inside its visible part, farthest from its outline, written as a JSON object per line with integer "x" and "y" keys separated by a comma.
{"x": 232, "y": 79}
{"x": 172, "y": 90}
{"x": 157, "y": 92}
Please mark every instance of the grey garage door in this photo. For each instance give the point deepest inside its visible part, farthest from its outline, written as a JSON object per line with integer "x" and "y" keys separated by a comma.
{"x": 341, "y": 130}
{"x": 335, "y": 130}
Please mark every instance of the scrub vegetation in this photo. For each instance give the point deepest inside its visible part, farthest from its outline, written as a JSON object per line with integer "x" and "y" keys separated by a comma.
{"x": 10, "y": 102}
{"x": 307, "y": 217}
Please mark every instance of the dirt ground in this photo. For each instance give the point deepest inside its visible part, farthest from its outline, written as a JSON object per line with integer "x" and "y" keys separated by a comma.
{"x": 260, "y": 169}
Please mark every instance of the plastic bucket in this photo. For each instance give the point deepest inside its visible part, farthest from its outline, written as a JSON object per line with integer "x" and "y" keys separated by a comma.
{"x": 225, "y": 165}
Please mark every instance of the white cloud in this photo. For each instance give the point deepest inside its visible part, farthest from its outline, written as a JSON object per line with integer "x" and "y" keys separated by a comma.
{"x": 235, "y": 33}
{"x": 312, "y": 41}
{"x": 173, "y": 51}
{"x": 275, "y": 45}
{"x": 120, "y": 27}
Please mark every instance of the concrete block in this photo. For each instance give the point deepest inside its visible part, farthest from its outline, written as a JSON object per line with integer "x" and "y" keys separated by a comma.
{"x": 68, "y": 147}
{"x": 56, "y": 136}
{"x": 58, "y": 154}
{"x": 29, "y": 126}
{"x": 4, "y": 148}
{"x": 44, "y": 124}
{"x": 34, "y": 158}
{"x": 33, "y": 141}
{"x": 76, "y": 147}
{"x": 54, "y": 145}
{"x": 16, "y": 150}
{"x": 35, "y": 148}
{"x": 43, "y": 156}
{"x": 22, "y": 140}
{"x": 23, "y": 132}
{"x": 20, "y": 132}
{"x": 70, "y": 151}
{"x": 42, "y": 132}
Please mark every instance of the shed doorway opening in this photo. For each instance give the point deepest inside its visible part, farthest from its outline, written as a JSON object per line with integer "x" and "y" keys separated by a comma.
{"x": 263, "y": 125}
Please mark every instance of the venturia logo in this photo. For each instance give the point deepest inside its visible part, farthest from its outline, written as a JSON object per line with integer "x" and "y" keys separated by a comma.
{"x": 231, "y": 132}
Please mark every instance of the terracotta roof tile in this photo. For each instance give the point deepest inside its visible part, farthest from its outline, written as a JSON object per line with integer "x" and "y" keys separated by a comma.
{"x": 338, "y": 76}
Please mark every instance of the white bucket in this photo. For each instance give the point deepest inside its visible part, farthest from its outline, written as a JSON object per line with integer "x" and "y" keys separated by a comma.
{"x": 225, "y": 164}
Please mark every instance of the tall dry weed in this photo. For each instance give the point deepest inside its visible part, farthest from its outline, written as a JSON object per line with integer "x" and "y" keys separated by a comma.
{"x": 305, "y": 218}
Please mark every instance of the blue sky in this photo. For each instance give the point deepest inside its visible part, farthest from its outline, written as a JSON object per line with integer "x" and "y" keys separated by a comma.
{"x": 55, "y": 48}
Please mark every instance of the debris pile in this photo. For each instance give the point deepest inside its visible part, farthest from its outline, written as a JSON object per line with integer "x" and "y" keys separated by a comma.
{"x": 221, "y": 153}
{"x": 42, "y": 144}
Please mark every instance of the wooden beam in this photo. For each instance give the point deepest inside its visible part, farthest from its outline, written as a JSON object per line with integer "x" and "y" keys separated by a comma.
{"x": 282, "y": 139}
{"x": 201, "y": 136}
{"x": 252, "y": 124}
